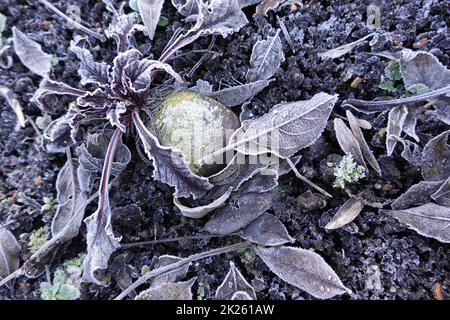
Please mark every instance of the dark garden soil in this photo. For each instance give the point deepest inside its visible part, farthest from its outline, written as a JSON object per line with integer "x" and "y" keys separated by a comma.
{"x": 375, "y": 256}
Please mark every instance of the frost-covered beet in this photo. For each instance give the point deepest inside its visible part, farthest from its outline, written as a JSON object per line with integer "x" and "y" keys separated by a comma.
{"x": 195, "y": 124}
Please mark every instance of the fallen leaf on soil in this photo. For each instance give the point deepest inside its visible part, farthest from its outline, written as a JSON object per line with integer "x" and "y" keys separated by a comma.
{"x": 396, "y": 119}
{"x": 31, "y": 54}
{"x": 430, "y": 220}
{"x": 233, "y": 283}
{"x": 8, "y": 94}
{"x": 347, "y": 141}
{"x": 421, "y": 67}
{"x": 263, "y": 182}
{"x": 201, "y": 211}
{"x": 357, "y": 133}
{"x": 442, "y": 195}
{"x": 286, "y": 128}
{"x": 234, "y": 96}
{"x": 169, "y": 291}
{"x": 267, "y": 5}
{"x": 436, "y": 158}
{"x": 9, "y": 253}
{"x": 266, "y": 230}
{"x": 186, "y": 7}
{"x": 239, "y": 212}
{"x": 266, "y": 58}
{"x": 346, "y": 214}
{"x": 171, "y": 276}
{"x": 303, "y": 269}
{"x": 416, "y": 195}
{"x": 346, "y": 48}
{"x": 378, "y": 104}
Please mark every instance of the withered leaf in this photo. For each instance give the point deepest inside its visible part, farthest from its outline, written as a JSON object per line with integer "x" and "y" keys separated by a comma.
{"x": 238, "y": 170}
{"x": 266, "y": 230}
{"x": 237, "y": 95}
{"x": 411, "y": 152}
{"x": 303, "y": 269}
{"x": 261, "y": 182}
{"x": 186, "y": 7}
{"x": 8, "y": 94}
{"x": 150, "y": 11}
{"x": 241, "y": 295}
{"x": 171, "y": 276}
{"x": 201, "y": 211}
{"x": 442, "y": 195}
{"x": 346, "y": 214}
{"x": 266, "y": 58}
{"x": 286, "y": 129}
{"x": 266, "y": 5}
{"x": 421, "y": 67}
{"x": 378, "y": 105}
{"x": 396, "y": 119}
{"x": 347, "y": 141}
{"x": 239, "y": 212}
{"x": 416, "y": 195}
{"x": 71, "y": 199}
{"x": 234, "y": 282}
{"x": 9, "y": 253}
{"x": 430, "y": 220}
{"x": 31, "y": 54}
{"x": 346, "y": 48}
{"x": 169, "y": 291}
{"x": 409, "y": 125}
{"x": 170, "y": 166}
{"x": 436, "y": 158}
{"x": 357, "y": 133}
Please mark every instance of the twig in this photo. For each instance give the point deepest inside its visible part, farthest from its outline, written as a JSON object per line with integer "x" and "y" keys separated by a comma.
{"x": 304, "y": 179}
{"x": 199, "y": 62}
{"x": 152, "y": 242}
{"x": 176, "y": 265}
{"x": 76, "y": 24}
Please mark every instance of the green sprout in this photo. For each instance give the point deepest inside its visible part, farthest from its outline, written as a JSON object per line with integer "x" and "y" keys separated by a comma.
{"x": 49, "y": 204}
{"x": 145, "y": 269}
{"x": 66, "y": 281}
{"x": 59, "y": 289}
{"x": 200, "y": 291}
{"x": 393, "y": 81}
{"x": 38, "y": 238}
{"x": 348, "y": 171}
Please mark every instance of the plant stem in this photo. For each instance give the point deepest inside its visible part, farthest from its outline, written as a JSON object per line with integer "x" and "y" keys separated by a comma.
{"x": 176, "y": 265}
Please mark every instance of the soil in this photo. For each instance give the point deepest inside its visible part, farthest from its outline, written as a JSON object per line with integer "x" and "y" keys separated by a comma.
{"x": 374, "y": 256}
